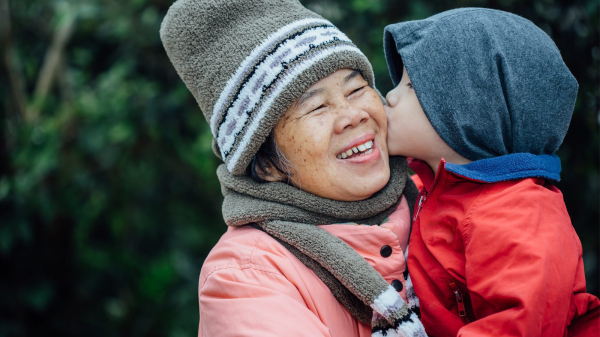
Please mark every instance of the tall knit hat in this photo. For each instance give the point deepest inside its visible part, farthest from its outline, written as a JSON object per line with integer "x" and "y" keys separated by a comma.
{"x": 490, "y": 82}
{"x": 247, "y": 61}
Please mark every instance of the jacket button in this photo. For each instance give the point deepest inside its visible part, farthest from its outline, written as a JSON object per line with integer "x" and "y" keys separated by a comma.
{"x": 397, "y": 285}
{"x": 386, "y": 251}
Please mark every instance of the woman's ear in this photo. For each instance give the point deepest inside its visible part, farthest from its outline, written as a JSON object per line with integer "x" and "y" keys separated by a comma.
{"x": 269, "y": 164}
{"x": 266, "y": 166}
{"x": 268, "y": 172}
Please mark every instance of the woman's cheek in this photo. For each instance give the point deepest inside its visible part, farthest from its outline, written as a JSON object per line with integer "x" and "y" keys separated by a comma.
{"x": 314, "y": 145}
{"x": 299, "y": 148}
{"x": 294, "y": 149}
{"x": 376, "y": 110}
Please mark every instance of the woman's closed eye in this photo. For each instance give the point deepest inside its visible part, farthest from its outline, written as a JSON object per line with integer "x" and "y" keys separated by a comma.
{"x": 318, "y": 108}
{"x": 409, "y": 85}
{"x": 357, "y": 90}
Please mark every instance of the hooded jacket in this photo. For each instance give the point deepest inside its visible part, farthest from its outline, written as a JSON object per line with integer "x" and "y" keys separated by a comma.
{"x": 492, "y": 249}
{"x": 493, "y": 255}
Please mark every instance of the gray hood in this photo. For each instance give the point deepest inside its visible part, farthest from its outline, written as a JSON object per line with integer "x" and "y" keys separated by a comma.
{"x": 491, "y": 83}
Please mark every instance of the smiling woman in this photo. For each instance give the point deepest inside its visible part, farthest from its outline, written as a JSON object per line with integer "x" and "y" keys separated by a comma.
{"x": 321, "y": 133}
{"x": 302, "y": 133}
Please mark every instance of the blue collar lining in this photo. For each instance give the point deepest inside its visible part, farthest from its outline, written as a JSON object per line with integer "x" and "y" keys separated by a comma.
{"x": 510, "y": 167}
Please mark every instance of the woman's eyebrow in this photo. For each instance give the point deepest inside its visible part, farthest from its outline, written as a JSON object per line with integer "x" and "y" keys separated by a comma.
{"x": 351, "y": 76}
{"x": 307, "y": 95}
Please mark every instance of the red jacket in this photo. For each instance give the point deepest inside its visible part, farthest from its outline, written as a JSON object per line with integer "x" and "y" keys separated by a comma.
{"x": 497, "y": 258}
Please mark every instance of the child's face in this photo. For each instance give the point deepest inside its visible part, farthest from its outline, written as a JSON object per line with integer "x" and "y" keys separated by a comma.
{"x": 410, "y": 133}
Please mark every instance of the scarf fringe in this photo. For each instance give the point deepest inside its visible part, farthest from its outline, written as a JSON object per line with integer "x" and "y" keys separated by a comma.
{"x": 394, "y": 317}
{"x": 409, "y": 326}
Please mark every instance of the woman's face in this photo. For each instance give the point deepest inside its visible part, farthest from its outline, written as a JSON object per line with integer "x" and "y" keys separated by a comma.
{"x": 334, "y": 136}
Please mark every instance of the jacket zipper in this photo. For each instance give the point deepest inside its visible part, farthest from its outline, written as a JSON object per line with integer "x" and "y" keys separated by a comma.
{"x": 460, "y": 303}
{"x": 426, "y": 192}
{"x": 421, "y": 201}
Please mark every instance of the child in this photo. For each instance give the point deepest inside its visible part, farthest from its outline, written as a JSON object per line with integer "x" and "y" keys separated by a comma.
{"x": 484, "y": 99}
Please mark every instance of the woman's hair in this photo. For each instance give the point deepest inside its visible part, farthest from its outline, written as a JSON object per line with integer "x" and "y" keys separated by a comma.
{"x": 267, "y": 158}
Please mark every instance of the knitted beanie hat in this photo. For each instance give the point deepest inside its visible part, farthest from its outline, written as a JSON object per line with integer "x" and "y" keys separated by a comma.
{"x": 247, "y": 61}
{"x": 490, "y": 82}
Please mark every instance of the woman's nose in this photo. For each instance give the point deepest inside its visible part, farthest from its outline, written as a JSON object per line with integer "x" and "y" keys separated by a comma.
{"x": 350, "y": 117}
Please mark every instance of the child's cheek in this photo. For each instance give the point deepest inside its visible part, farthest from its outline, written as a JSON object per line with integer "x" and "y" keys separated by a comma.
{"x": 392, "y": 133}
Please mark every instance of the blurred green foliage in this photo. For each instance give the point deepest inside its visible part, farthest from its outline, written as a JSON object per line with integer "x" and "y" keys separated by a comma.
{"x": 109, "y": 200}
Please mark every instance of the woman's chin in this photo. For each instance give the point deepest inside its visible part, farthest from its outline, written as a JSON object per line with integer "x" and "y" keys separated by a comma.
{"x": 363, "y": 179}
{"x": 364, "y": 186}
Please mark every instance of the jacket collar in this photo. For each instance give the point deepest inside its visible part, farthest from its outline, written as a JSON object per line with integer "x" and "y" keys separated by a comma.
{"x": 508, "y": 167}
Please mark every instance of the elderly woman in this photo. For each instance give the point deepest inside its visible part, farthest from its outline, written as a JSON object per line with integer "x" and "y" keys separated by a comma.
{"x": 302, "y": 133}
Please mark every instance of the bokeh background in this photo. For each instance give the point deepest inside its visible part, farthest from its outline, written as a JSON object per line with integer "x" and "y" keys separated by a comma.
{"x": 109, "y": 201}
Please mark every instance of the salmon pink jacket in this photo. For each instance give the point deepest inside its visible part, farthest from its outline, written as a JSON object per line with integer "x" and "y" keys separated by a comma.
{"x": 495, "y": 254}
{"x": 250, "y": 285}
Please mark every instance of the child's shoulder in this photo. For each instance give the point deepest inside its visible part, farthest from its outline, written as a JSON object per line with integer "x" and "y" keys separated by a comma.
{"x": 528, "y": 204}
{"x": 534, "y": 189}
{"x": 520, "y": 195}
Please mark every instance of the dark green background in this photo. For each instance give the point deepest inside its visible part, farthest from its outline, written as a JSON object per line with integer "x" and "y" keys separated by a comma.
{"x": 109, "y": 201}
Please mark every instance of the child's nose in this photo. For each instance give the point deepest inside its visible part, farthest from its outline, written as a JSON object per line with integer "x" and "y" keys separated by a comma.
{"x": 391, "y": 99}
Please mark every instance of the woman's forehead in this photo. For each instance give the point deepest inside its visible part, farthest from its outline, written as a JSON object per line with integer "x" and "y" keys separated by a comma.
{"x": 339, "y": 78}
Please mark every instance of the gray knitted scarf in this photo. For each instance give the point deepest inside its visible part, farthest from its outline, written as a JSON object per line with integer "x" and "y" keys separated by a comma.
{"x": 290, "y": 215}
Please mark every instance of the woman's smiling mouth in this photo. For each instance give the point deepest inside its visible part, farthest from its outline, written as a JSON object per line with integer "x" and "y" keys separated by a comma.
{"x": 356, "y": 151}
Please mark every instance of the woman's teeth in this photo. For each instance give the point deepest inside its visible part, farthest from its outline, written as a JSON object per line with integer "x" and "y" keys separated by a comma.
{"x": 365, "y": 148}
